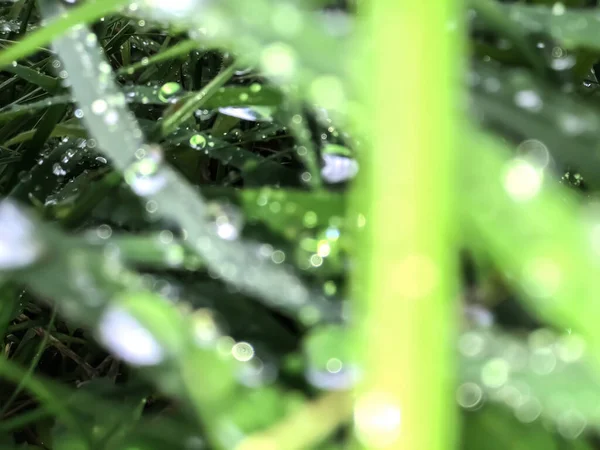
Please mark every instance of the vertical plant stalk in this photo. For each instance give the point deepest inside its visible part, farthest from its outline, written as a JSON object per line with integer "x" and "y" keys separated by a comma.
{"x": 402, "y": 206}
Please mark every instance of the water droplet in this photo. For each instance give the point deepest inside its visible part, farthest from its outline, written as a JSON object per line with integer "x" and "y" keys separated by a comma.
{"x": 329, "y": 359}
{"x": 145, "y": 176}
{"x": 228, "y": 221}
{"x": 19, "y": 246}
{"x": 563, "y": 63}
{"x": 522, "y": 181}
{"x": 99, "y": 106}
{"x": 478, "y": 315}
{"x": 278, "y": 256}
{"x": 535, "y": 152}
{"x": 124, "y": 336}
{"x": 169, "y": 91}
{"x": 310, "y": 219}
{"x": 572, "y": 124}
{"x": 58, "y": 170}
{"x": 571, "y": 424}
{"x": 104, "y": 231}
{"x": 469, "y": 395}
{"x": 244, "y": 71}
{"x": 198, "y": 142}
{"x": 253, "y": 114}
{"x": 495, "y": 373}
{"x": 377, "y": 419}
{"x": 334, "y": 377}
{"x": 529, "y": 410}
{"x": 279, "y": 60}
{"x": 558, "y": 9}
{"x": 542, "y": 361}
{"x": 528, "y": 99}
{"x": 542, "y": 277}
{"x": 24, "y": 176}
{"x": 206, "y": 329}
{"x": 337, "y": 169}
{"x": 242, "y": 351}
{"x": 570, "y": 348}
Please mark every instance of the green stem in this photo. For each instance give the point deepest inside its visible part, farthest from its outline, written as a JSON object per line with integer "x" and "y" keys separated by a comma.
{"x": 403, "y": 204}
{"x": 182, "y": 48}
{"x": 195, "y": 101}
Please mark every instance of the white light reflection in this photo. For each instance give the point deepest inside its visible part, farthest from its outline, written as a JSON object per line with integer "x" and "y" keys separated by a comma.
{"x": 124, "y": 336}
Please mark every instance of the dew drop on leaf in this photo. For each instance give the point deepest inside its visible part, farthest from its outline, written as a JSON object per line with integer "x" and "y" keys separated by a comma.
{"x": 253, "y": 114}
{"x": 197, "y": 142}
{"x": 127, "y": 339}
{"x": 145, "y": 176}
{"x": 169, "y": 91}
{"x": 19, "y": 245}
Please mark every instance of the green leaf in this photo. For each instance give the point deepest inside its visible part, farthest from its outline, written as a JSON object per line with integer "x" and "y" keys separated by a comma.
{"x": 49, "y": 84}
{"x": 497, "y": 19}
{"x": 571, "y": 28}
{"x": 516, "y": 104}
{"x": 85, "y": 13}
{"x": 547, "y": 251}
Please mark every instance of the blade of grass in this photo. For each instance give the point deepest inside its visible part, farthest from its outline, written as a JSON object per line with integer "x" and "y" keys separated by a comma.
{"x": 51, "y": 400}
{"x": 178, "y": 50}
{"x": 20, "y": 421}
{"x": 402, "y": 208}
{"x": 550, "y": 251}
{"x": 193, "y": 102}
{"x": 497, "y": 19}
{"x": 31, "y": 368}
{"x": 118, "y": 134}
{"x": 69, "y": 129}
{"x": 85, "y": 13}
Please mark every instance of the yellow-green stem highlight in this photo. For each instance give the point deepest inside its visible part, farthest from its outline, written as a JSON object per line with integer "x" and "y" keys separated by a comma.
{"x": 404, "y": 280}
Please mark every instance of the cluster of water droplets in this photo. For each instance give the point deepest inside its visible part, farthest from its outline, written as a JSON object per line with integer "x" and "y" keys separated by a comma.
{"x": 14, "y": 26}
{"x": 532, "y": 377}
